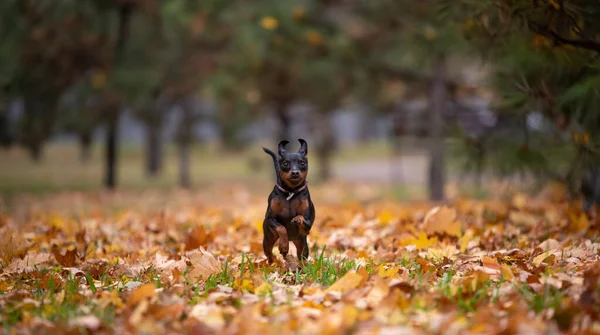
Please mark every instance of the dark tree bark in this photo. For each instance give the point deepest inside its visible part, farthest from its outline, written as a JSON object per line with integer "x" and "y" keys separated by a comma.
{"x": 111, "y": 150}
{"x": 110, "y": 179}
{"x": 153, "y": 149}
{"x": 281, "y": 111}
{"x": 325, "y": 145}
{"x": 185, "y": 142}
{"x": 85, "y": 147}
{"x": 40, "y": 112}
{"x": 436, "y": 131}
{"x": 398, "y": 130}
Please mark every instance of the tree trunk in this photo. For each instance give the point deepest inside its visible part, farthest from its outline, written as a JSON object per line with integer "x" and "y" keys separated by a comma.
{"x": 85, "y": 146}
{"x": 153, "y": 149}
{"x": 436, "y": 132}
{"x": 185, "y": 180}
{"x": 281, "y": 110}
{"x": 35, "y": 151}
{"x": 110, "y": 180}
{"x": 185, "y": 139}
{"x": 325, "y": 145}
{"x": 397, "y": 132}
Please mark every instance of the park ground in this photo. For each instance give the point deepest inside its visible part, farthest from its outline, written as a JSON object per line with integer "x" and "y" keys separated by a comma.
{"x": 153, "y": 259}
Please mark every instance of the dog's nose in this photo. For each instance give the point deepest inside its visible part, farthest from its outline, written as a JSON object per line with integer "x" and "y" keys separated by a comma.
{"x": 295, "y": 173}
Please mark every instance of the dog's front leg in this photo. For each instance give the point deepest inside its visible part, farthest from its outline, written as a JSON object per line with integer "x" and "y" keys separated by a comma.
{"x": 279, "y": 230}
{"x": 305, "y": 221}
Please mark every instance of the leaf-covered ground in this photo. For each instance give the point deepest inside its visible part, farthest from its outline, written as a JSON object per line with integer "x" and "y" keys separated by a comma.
{"x": 192, "y": 263}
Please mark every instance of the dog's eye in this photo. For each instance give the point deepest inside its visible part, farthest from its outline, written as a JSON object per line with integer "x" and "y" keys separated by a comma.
{"x": 302, "y": 163}
{"x": 285, "y": 164}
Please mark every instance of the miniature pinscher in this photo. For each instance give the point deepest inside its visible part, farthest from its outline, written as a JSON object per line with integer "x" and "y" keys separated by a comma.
{"x": 290, "y": 211}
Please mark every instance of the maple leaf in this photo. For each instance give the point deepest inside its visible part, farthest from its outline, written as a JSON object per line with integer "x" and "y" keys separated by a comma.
{"x": 440, "y": 220}
{"x": 205, "y": 265}
{"x": 422, "y": 242}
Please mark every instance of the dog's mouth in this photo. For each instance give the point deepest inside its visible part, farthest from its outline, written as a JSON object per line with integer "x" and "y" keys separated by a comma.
{"x": 295, "y": 180}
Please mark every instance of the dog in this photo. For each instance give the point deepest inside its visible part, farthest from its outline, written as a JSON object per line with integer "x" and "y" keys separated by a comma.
{"x": 290, "y": 211}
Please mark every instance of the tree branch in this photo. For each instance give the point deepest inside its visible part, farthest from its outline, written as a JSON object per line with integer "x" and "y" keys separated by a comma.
{"x": 554, "y": 36}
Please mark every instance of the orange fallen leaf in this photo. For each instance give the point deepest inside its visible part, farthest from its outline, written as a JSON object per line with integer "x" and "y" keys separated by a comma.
{"x": 440, "y": 220}
{"x": 349, "y": 281}
{"x": 140, "y": 293}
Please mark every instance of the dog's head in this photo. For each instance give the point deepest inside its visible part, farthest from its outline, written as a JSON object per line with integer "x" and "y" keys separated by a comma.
{"x": 293, "y": 166}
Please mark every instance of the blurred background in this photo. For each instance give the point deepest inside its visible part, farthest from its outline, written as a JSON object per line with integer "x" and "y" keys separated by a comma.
{"x": 427, "y": 98}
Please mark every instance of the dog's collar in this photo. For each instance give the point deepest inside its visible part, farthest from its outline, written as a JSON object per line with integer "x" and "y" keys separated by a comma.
{"x": 291, "y": 194}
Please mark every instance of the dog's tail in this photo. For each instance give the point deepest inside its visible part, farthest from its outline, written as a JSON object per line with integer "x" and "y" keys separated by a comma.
{"x": 272, "y": 154}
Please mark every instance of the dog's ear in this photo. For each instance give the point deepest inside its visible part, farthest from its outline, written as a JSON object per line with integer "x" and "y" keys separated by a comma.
{"x": 303, "y": 147}
{"x": 281, "y": 148}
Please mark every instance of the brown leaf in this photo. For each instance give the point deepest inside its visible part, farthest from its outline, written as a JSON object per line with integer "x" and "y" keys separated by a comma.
{"x": 67, "y": 256}
{"x": 198, "y": 237}
{"x": 12, "y": 244}
{"x": 205, "y": 264}
{"x": 28, "y": 262}
{"x": 441, "y": 220}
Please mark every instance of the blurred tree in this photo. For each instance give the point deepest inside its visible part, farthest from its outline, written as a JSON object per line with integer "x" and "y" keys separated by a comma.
{"x": 80, "y": 115}
{"x": 40, "y": 74}
{"x": 545, "y": 58}
{"x": 384, "y": 30}
{"x": 197, "y": 33}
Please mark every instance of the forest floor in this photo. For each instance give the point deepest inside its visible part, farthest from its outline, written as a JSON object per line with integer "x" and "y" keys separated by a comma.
{"x": 173, "y": 262}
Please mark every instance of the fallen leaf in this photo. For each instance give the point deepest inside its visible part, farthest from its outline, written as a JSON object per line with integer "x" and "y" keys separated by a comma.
{"x": 89, "y": 322}
{"x": 140, "y": 293}
{"x": 441, "y": 220}
{"x": 349, "y": 281}
{"x": 205, "y": 265}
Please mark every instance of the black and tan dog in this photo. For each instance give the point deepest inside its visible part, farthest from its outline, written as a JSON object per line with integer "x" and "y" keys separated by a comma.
{"x": 290, "y": 212}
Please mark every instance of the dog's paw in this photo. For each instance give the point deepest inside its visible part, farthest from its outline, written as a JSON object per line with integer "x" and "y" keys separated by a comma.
{"x": 302, "y": 226}
{"x": 284, "y": 247}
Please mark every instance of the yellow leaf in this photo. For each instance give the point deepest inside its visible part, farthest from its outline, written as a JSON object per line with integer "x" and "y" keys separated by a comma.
{"x": 349, "y": 315}
{"x": 579, "y": 224}
{"x": 387, "y": 272}
{"x": 541, "y": 257}
{"x": 264, "y": 289}
{"x": 464, "y": 240}
{"x": 438, "y": 254}
{"x": 141, "y": 293}
{"x": 422, "y": 242}
{"x": 348, "y": 282}
{"x": 385, "y": 217}
{"x": 506, "y": 272}
{"x": 314, "y": 38}
{"x": 269, "y": 23}
{"x": 98, "y": 80}
{"x": 258, "y": 225}
{"x": 519, "y": 201}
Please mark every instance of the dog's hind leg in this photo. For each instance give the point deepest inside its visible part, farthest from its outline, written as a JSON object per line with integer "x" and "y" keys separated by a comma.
{"x": 269, "y": 240}
{"x": 301, "y": 248}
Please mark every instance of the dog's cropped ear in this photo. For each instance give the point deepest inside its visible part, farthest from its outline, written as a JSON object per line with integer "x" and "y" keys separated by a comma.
{"x": 303, "y": 147}
{"x": 281, "y": 147}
